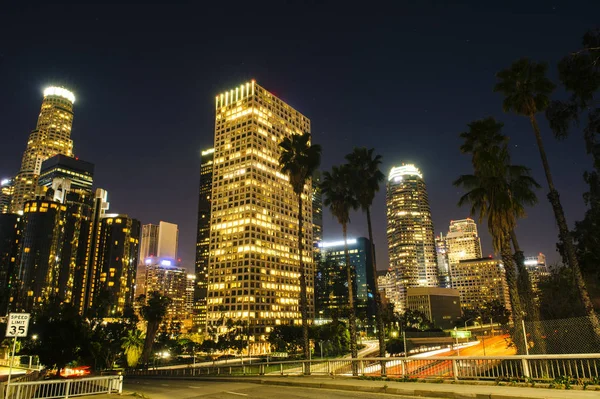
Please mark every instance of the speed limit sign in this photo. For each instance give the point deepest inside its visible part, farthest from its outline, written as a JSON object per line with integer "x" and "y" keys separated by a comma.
{"x": 17, "y": 326}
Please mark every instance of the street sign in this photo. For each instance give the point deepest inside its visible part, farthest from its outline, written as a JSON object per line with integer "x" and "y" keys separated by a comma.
{"x": 18, "y": 324}
{"x": 460, "y": 334}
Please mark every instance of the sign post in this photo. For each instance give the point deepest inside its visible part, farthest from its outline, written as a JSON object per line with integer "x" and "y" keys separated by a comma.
{"x": 18, "y": 324}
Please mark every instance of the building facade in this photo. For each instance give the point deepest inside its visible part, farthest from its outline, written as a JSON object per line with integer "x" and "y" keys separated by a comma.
{"x": 163, "y": 275}
{"x": 148, "y": 242}
{"x": 253, "y": 271}
{"x": 51, "y": 136}
{"x": 442, "y": 259}
{"x": 462, "y": 242}
{"x": 479, "y": 281}
{"x": 411, "y": 245}
{"x": 317, "y": 205}
{"x": 331, "y": 280}
{"x": 7, "y": 189}
{"x": 114, "y": 264}
{"x": 538, "y": 269}
{"x": 10, "y": 238}
{"x": 203, "y": 239}
{"x": 440, "y": 305}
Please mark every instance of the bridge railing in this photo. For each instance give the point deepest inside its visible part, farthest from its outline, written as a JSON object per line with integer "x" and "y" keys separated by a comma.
{"x": 583, "y": 367}
{"x": 50, "y": 389}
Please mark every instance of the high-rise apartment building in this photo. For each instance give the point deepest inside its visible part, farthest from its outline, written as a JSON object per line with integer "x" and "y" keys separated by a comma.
{"x": 462, "y": 242}
{"x": 388, "y": 288}
{"x": 411, "y": 245}
{"x": 148, "y": 242}
{"x": 10, "y": 238}
{"x": 332, "y": 280}
{"x": 253, "y": 271}
{"x": 163, "y": 275}
{"x": 51, "y": 136}
{"x": 442, "y": 259}
{"x": 203, "y": 239}
{"x": 7, "y": 189}
{"x": 479, "y": 281}
{"x": 168, "y": 240}
{"x": 113, "y": 264}
{"x": 538, "y": 269}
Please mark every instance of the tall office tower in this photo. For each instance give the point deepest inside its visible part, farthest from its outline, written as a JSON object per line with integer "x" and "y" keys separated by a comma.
{"x": 10, "y": 238}
{"x": 253, "y": 271}
{"x": 101, "y": 205}
{"x": 51, "y": 136}
{"x": 538, "y": 269}
{"x": 148, "y": 242}
{"x": 388, "y": 288}
{"x": 38, "y": 266}
{"x": 462, "y": 242}
{"x": 411, "y": 245}
{"x": 190, "y": 286}
{"x": 68, "y": 181}
{"x": 168, "y": 240}
{"x": 331, "y": 277}
{"x": 441, "y": 250}
{"x": 7, "y": 189}
{"x": 479, "y": 281}
{"x": 203, "y": 239}
{"x": 163, "y": 275}
{"x": 114, "y": 264}
{"x": 317, "y": 204}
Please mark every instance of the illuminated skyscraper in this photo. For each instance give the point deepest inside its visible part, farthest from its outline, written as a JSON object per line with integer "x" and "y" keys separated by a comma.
{"x": 538, "y": 270}
{"x": 411, "y": 246}
{"x": 253, "y": 272}
{"x": 7, "y": 189}
{"x": 317, "y": 203}
{"x": 163, "y": 275}
{"x": 10, "y": 238}
{"x": 203, "y": 239}
{"x": 442, "y": 259}
{"x": 479, "y": 281}
{"x": 462, "y": 242}
{"x": 51, "y": 136}
{"x": 148, "y": 242}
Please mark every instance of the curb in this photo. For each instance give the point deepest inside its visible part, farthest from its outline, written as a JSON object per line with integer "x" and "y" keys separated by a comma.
{"x": 425, "y": 393}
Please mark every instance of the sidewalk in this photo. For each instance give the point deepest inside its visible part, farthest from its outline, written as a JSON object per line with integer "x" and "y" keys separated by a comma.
{"x": 431, "y": 390}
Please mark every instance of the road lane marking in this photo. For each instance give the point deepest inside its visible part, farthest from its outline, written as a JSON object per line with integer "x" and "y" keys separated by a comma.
{"x": 164, "y": 385}
{"x": 237, "y": 393}
{"x": 194, "y": 386}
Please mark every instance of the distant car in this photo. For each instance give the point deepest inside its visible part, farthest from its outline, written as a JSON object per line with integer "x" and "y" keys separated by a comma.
{"x": 75, "y": 372}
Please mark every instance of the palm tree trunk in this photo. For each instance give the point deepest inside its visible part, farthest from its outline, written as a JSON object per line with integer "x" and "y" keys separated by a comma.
{"x": 565, "y": 235}
{"x": 151, "y": 329}
{"x": 376, "y": 294}
{"x": 526, "y": 289}
{"x": 351, "y": 313}
{"x": 303, "y": 299}
{"x": 513, "y": 292}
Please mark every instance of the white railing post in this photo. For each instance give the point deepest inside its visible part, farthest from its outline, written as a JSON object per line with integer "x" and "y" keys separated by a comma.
{"x": 67, "y": 389}
{"x": 455, "y": 369}
{"x": 403, "y": 364}
{"x": 525, "y": 364}
{"x": 120, "y": 384}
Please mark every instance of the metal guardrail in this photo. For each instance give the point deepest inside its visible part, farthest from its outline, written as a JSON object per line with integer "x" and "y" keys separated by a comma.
{"x": 50, "y": 389}
{"x": 585, "y": 367}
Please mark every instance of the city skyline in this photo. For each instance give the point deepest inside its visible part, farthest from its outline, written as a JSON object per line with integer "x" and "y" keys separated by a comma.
{"x": 431, "y": 148}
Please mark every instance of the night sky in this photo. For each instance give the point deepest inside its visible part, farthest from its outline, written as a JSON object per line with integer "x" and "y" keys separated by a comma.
{"x": 405, "y": 80}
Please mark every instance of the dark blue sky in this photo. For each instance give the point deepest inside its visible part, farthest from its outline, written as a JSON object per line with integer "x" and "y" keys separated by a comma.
{"x": 404, "y": 79}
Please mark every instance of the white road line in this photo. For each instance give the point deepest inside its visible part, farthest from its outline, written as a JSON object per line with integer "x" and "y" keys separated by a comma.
{"x": 164, "y": 385}
{"x": 194, "y": 386}
{"x": 237, "y": 393}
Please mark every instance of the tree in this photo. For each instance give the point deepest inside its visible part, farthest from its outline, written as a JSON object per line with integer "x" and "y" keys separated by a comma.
{"x": 133, "y": 345}
{"x": 153, "y": 312}
{"x": 286, "y": 338}
{"x": 62, "y": 334}
{"x": 579, "y": 72}
{"x": 489, "y": 149}
{"x": 339, "y": 197}
{"x": 367, "y": 179}
{"x": 105, "y": 339}
{"x": 491, "y": 192}
{"x": 299, "y": 160}
{"x": 526, "y": 91}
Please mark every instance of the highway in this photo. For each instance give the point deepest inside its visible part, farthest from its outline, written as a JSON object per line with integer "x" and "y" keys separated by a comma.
{"x": 189, "y": 389}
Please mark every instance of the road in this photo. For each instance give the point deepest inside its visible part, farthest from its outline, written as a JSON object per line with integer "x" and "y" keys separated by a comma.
{"x": 189, "y": 389}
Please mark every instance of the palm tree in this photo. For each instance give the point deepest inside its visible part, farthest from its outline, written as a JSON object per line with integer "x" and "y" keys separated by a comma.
{"x": 491, "y": 192}
{"x": 299, "y": 160}
{"x": 367, "y": 178}
{"x": 133, "y": 345}
{"x": 526, "y": 91}
{"x": 488, "y": 146}
{"x": 153, "y": 311}
{"x": 339, "y": 197}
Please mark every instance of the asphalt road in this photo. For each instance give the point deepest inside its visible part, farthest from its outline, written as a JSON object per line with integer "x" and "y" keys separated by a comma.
{"x": 189, "y": 389}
